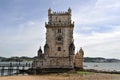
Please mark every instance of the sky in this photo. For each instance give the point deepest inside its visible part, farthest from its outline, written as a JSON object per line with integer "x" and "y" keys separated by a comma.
{"x": 97, "y": 26}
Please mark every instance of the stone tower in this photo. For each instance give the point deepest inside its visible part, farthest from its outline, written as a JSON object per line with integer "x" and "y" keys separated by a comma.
{"x": 59, "y": 48}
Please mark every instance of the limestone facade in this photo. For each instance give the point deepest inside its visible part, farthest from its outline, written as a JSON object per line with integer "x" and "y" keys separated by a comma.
{"x": 59, "y": 49}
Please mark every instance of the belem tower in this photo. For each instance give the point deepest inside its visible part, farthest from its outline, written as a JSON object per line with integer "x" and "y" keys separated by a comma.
{"x": 59, "y": 49}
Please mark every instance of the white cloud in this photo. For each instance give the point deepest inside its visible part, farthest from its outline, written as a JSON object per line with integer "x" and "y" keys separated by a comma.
{"x": 23, "y": 41}
{"x": 100, "y": 44}
{"x": 108, "y": 4}
{"x": 95, "y": 20}
{"x": 103, "y": 11}
{"x": 26, "y": 38}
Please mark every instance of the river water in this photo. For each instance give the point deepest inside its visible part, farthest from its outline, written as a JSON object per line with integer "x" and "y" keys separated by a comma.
{"x": 15, "y": 69}
{"x": 87, "y": 65}
{"x": 102, "y": 66}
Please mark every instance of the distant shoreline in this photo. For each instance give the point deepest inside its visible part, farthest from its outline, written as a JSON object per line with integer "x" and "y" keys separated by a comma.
{"x": 86, "y": 59}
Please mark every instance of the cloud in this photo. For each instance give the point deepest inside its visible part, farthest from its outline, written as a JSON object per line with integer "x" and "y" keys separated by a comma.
{"x": 23, "y": 41}
{"x": 102, "y": 13}
{"x": 99, "y": 44}
{"x": 97, "y": 26}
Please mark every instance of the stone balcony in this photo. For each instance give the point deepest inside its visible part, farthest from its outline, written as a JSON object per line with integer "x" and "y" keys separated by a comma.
{"x": 59, "y": 24}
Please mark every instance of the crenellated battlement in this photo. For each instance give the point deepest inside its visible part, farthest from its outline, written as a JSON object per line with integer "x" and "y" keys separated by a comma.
{"x": 60, "y": 18}
{"x": 50, "y": 12}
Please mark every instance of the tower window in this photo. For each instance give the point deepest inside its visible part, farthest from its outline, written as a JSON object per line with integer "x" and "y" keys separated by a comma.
{"x": 59, "y": 39}
{"x": 59, "y": 20}
{"x": 59, "y": 30}
{"x": 59, "y": 48}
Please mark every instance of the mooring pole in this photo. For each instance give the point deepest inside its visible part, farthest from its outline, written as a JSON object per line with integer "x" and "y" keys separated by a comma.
{"x": 23, "y": 68}
{"x": 10, "y": 69}
{"x": 17, "y": 70}
{"x": 2, "y": 71}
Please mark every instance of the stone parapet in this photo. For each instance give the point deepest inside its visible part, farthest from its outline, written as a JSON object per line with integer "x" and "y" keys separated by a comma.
{"x": 63, "y": 24}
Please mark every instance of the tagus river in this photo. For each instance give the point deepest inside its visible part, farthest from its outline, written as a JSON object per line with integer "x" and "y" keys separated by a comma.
{"x": 87, "y": 65}
{"x": 102, "y": 66}
{"x": 13, "y": 68}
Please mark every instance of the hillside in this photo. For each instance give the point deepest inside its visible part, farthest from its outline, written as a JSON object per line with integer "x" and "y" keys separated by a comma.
{"x": 100, "y": 59}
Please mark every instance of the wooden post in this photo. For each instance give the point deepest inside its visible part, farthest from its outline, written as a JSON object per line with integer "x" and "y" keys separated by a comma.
{"x": 23, "y": 68}
{"x": 29, "y": 65}
{"x": 26, "y": 64}
{"x": 2, "y": 71}
{"x": 10, "y": 69}
{"x": 17, "y": 70}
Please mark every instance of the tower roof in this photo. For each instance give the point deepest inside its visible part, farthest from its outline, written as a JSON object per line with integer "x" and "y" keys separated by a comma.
{"x": 49, "y": 9}
{"x": 69, "y": 9}
{"x": 40, "y": 50}
{"x": 81, "y": 50}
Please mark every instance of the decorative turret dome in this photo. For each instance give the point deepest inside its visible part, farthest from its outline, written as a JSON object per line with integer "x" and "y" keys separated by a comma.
{"x": 69, "y": 10}
{"x": 49, "y": 11}
{"x": 40, "y": 50}
{"x": 81, "y": 51}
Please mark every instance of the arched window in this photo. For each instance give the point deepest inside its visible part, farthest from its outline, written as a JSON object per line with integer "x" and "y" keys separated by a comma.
{"x": 59, "y": 30}
{"x": 59, "y": 48}
{"x": 59, "y": 20}
{"x": 59, "y": 38}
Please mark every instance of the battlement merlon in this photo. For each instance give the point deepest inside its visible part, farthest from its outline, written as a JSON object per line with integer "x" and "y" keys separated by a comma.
{"x": 59, "y": 18}
{"x": 50, "y": 12}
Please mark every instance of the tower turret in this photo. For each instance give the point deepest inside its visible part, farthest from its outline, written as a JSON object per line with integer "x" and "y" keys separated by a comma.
{"x": 79, "y": 59}
{"x": 69, "y": 11}
{"x": 49, "y": 11}
{"x": 81, "y": 51}
{"x": 40, "y": 54}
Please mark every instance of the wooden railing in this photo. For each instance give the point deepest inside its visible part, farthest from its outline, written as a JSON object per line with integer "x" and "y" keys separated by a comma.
{"x": 13, "y": 68}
